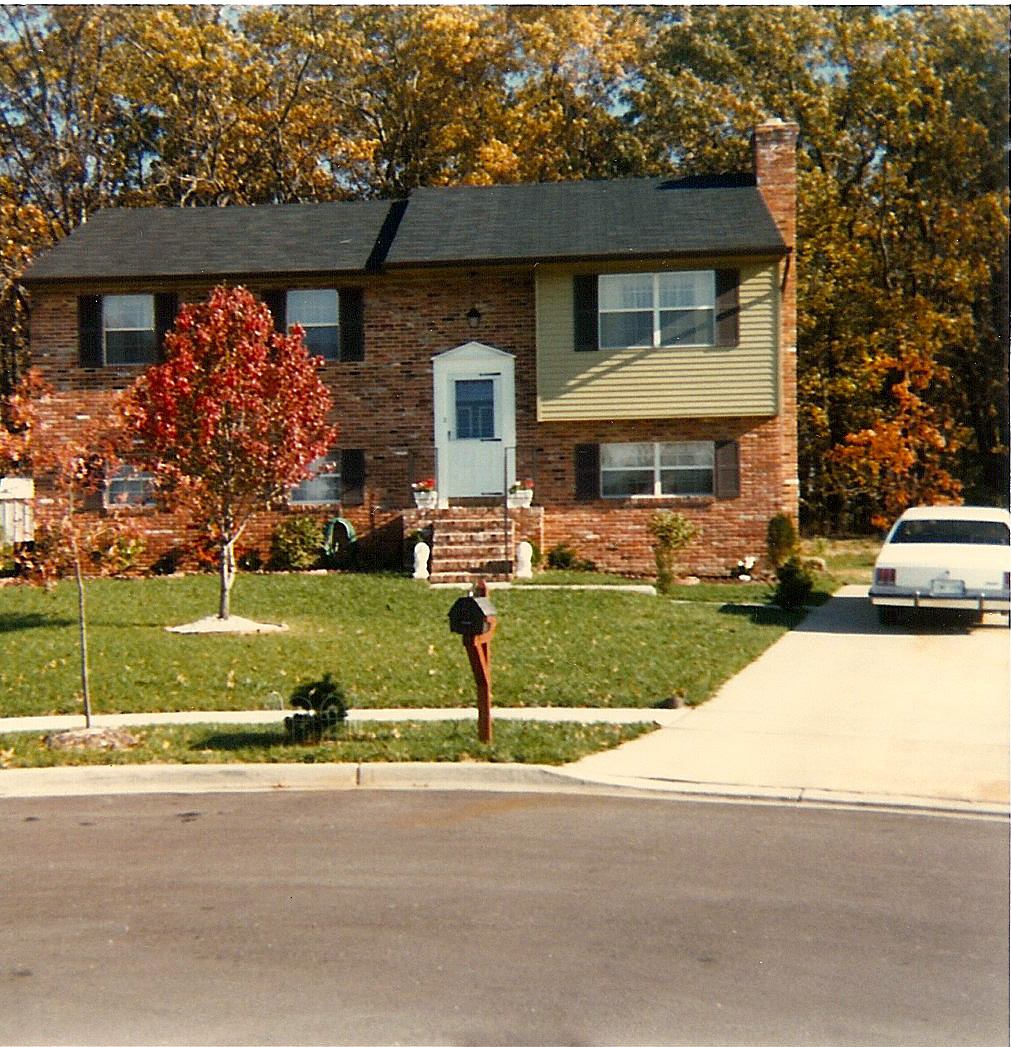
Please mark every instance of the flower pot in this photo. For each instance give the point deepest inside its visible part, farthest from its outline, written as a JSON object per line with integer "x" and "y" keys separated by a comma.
{"x": 520, "y": 499}
{"x": 426, "y": 499}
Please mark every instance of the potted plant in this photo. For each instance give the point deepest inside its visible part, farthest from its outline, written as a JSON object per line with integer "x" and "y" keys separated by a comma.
{"x": 425, "y": 494}
{"x": 521, "y": 494}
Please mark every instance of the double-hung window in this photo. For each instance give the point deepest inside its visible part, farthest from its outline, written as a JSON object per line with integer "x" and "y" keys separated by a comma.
{"x": 129, "y": 488}
{"x": 657, "y": 469}
{"x": 116, "y": 330}
{"x": 323, "y": 485}
{"x": 317, "y": 312}
{"x": 129, "y": 335}
{"x": 657, "y": 310}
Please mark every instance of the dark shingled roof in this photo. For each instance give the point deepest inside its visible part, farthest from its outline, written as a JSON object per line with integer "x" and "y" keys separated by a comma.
{"x": 567, "y": 220}
{"x": 638, "y": 217}
{"x": 191, "y": 241}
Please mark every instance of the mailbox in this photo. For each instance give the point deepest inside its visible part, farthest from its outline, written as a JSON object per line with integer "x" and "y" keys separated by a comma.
{"x": 471, "y": 616}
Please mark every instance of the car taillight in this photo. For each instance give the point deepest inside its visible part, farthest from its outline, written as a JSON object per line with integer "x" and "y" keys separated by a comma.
{"x": 884, "y": 576}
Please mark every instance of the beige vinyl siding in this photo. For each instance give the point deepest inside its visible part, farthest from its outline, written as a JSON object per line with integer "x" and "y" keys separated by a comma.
{"x": 658, "y": 383}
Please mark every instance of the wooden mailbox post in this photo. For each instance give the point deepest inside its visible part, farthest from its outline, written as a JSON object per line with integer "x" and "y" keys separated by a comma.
{"x": 474, "y": 618}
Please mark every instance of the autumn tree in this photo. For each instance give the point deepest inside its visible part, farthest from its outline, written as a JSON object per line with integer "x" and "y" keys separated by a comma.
{"x": 67, "y": 542}
{"x": 231, "y": 419}
{"x": 902, "y": 228}
{"x": 903, "y": 203}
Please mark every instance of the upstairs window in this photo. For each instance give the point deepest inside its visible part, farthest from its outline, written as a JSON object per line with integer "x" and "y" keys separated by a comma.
{"x": 657, "y": 310}
{"x": 333, "y": 320}
{"x": 318, "y": 314}
{"x": 128, "y": 331}
{"x": 117, "y": 330}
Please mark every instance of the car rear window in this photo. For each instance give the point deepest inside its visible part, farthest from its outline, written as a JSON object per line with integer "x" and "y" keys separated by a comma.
{"x": 953, "y": 532}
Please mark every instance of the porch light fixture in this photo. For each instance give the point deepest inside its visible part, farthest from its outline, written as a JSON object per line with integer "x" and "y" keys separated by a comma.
{"x": 474, "y": 316}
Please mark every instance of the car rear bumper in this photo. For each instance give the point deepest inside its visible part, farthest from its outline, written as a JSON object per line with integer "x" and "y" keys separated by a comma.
{"x": 970, "y": 600}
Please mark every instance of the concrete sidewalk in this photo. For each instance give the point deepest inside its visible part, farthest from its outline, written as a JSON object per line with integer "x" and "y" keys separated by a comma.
{"x": 837, "y": 711}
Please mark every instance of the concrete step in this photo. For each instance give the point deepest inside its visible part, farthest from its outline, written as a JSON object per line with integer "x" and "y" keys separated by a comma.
{"x": 466, "y": 577}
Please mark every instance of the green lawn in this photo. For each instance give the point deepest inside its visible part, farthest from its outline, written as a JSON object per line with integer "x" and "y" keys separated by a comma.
{"x": 407, "y": 742}
{"x": 384, "y": 638}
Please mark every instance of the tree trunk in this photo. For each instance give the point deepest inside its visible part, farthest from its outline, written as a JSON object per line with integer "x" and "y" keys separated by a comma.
{"x": 82, "y": 634}
{"x": 227, "y": 577}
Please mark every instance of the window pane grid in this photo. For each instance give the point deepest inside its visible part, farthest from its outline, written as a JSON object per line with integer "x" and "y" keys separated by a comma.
{"x": 323, "y": 485}
{"x": 128, "y": 330}
{"x": 129, "y": 488}
{"x": 317, "y": 313}
{"x": 475, "y": 409}
{"x": 657, "y": 469}
{"x": 656, "y": 310}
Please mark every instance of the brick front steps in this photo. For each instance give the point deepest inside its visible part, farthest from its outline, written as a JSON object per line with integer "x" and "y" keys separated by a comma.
{"x": 472, "y": 543}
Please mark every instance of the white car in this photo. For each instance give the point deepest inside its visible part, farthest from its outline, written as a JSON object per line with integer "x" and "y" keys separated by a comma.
{"x": 956, "y": 557}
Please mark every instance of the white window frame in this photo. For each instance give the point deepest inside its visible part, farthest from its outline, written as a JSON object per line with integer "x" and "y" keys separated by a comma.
{"x": 107, "y": 329}
{"x": 658, "y": 467}
{"x": 656, "y": 307}
{"x": 328, "y": 465}
{"x": 116, "y": 491}
{"x": 291, "y": 318}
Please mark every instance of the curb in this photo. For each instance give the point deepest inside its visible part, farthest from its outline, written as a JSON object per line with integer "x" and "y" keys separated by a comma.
{"x": 547, "y": 713}
{"x": 195, "y": 779}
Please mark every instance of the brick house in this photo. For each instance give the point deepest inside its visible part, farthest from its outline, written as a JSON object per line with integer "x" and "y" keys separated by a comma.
{"x": 628, "y": 345}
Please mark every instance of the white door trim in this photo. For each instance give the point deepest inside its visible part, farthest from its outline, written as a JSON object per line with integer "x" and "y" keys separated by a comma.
{"x": 474, "y": 360}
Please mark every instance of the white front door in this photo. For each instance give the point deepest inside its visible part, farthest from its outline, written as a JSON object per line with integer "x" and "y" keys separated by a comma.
{"x": 475, "y": 421}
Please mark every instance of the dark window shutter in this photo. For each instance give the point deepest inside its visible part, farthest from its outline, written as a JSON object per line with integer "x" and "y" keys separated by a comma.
{"x": 584, "y": 303}
{"x": 89, "y": 330}
{"x": 277, "y": 303}
{"x": 728, "y": 307}
{"x": 352, "y": 477}
{"x": 587, "y": 463}
{"x": 727, "y": 481}
{"x": 352, "y": 321}
{"x": 93, "y": 500}
{"x": 165, "y": 307}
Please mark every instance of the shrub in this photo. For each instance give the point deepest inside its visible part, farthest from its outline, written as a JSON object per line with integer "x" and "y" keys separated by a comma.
{"x": 671, "y": 532}
{"x": 326, "y": 708}
{"x": 565, "y": 558}
{"x": 170, "y": 561}
{"x": 794, "y": 583}
{"x": 780, "y": 540}
{"x": 250, "y": 560}
{"x": 296, "y": 545}
{"x": 117, "y": 548}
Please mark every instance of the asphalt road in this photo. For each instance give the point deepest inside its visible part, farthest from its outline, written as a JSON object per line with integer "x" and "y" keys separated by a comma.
{"x": 462, "y": 918}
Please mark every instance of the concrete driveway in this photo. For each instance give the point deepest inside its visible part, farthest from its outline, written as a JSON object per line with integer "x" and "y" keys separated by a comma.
{"x": 842, "y": 706}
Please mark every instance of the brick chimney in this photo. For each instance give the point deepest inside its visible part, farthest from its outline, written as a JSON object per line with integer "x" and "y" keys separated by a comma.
{"x": 774, "y": 150}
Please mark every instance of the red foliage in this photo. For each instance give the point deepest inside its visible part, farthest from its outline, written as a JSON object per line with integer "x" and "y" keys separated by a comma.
{"x": 232, "y": 418}
{"x": 234, "y": 415}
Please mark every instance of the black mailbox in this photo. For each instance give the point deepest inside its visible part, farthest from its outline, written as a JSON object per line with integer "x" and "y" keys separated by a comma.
{"x": 470, "y": 615}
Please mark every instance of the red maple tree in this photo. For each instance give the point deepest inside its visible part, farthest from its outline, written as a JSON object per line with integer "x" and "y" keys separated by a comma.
{"x": 231, "y": 419}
